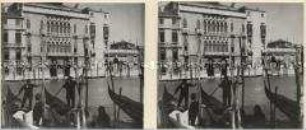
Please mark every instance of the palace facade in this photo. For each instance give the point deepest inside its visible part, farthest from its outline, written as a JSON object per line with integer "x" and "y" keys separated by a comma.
{"x": 196, "y": 33}
{"x": 51, "y": 33}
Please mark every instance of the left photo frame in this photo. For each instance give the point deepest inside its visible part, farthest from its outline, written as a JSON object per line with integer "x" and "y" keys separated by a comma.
{"x": 72, "y": 65}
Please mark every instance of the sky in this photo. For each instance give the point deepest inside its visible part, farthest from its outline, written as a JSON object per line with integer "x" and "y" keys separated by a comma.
{"x": 284, "y": 20}
{"x": 126, "y": 21}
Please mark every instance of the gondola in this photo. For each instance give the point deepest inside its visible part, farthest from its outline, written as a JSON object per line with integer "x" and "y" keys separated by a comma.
{"x": 168, "y": 102}
{"x": 11, "y": 106}
{"x": 211, "y": 102}
{"x": 169, "y": 111}
{"x": 56, "y": 104}
{"x": 284, "y": 104}
{"x": 132, "y": 108}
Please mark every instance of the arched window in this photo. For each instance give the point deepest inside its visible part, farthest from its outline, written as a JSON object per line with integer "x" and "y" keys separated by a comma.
{"x": 225, "y": 27}
{"x": 198, "y": 25}
{"x": 226, "y": 46}
{"x": 57, "y": 27}
{"x": 52, "y": 27}
{"x": 48, "y": 27}
{"x": 68, "y": 28}
{"x": 217, "y": 26}
{"x": 209, "y": 26}
{"x": 232, "y": 27}
{"x": 221, "y": 27}
{"x": 214, "y": 46}
{"x": 210, "y": 46}
{"x": 184, "y": 23}
{"x": 28, "y": 23}
{"x": 204, "y": 25}
{"x": 213, "y": 26}
{"x": 242, "y": 28}
{"x": 205, "y": 46}
{"x": 65, "y": 28}
{"x": 61, "y": 28}
{"x": 41, "y": 25}
{"x": 199, "y": 45}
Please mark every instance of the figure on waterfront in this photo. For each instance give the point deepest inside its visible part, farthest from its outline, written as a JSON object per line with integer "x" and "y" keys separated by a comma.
{"x": 53, "y": 69}
{"x": 226, "y": 88}
{"x": 70, "y": 85}
{"x": 103, "y": 119}
{"x": 184, "y": 94}
{"x": 193, "y": 109}
{"x": 66, "y": 68}
{"x": 210, "y": 68}
{"x": 224, "y": 66}
{"x": 28, "y": 93}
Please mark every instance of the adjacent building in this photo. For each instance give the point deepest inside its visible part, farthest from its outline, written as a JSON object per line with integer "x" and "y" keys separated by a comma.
{"x": 283, "y": 55}
{"x": 33, "y": 33}
{"x": 196, "y": 33}
{"x": 125, "y": 57}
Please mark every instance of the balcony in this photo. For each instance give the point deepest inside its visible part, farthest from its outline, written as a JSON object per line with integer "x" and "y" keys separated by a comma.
{"x": 169, "y": 26}
{"x": 13, "y": 45}
{"x": 17, "y": 27}
{"x": 216, "y": 53}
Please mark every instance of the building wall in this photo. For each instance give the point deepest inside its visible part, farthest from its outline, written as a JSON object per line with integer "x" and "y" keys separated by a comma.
{"x": 39, "y": 42}
{"x": 196, "y": 34}
{"x": 256, "y": 45}
{"x": 100, "y": 20}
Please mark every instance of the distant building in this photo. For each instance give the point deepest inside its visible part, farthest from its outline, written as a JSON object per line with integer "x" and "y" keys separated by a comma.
{"x": 52, "y": 33}
{"x": 195, "y": 32}
{"x": 282, "y": 54}
{"x": 125, "y": 56}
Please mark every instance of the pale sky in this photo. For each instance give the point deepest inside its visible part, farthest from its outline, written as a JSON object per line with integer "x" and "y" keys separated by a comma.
{"x": 284, "y": 20}
{"x": 126, "y": 21}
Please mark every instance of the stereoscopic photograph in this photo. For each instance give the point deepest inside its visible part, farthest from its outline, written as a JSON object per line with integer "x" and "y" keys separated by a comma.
{"x": 230, "y": 65}
{"x": 72, "y": 65}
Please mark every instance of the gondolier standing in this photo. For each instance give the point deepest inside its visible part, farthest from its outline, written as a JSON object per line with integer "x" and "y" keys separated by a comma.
{"x": 193, "y": 109}
{"x": 226, "y": 88}
{"x": 70, "y": 91}
{"x": 224, "y": 66}
{"x": 67, "y": 67}
{"x": 184, "y": 87}
{"x": 38, "y": 110}
{"x": 28, "y": 93}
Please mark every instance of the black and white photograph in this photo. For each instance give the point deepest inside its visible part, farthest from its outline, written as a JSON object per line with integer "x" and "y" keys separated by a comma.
{"x": 230, "y": 65}
{"x": 72, "y": 65}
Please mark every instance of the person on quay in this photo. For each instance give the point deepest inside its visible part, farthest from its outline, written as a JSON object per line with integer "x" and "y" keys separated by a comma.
{"x": 69, "y": 86}
{"x": 28, "y": 88}
{"x": 226, "y": 91}
{"x": 210, "y": 68}
{"x": 67, "y": 67}
{"x": 53, "y": 70}
{"x": 184, "y": 94}
{"x": 224, "y": 66}
{"x": 193, "y": 109}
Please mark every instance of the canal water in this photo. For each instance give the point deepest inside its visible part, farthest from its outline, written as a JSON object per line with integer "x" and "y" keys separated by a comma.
{"x": 98, "y": 93}
{"x": 254, "y": 91}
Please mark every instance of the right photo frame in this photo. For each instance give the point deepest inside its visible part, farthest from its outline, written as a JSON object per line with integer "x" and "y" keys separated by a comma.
{"x": 230, "y": 65}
